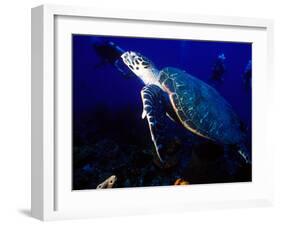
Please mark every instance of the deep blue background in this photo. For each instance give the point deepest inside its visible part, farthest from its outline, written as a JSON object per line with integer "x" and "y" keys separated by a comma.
{"x": 104, "y": 85}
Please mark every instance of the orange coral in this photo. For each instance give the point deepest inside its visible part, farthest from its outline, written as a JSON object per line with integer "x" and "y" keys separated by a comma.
{"x": 181, "y": 182}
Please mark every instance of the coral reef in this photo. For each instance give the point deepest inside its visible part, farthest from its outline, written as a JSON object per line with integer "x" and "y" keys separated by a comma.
{"x": 197, "y": 163}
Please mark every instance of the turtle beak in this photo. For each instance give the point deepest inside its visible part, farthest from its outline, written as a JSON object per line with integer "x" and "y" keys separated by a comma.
{"x": 123, "y": 68}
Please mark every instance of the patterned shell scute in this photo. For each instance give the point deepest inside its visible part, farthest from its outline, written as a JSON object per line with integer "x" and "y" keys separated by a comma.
{"x": 200, "y": 108}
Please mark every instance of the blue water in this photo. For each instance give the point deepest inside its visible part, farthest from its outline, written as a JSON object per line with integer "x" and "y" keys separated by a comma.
{"x": 105, "y": 85}
{"x": 99, "y": 86}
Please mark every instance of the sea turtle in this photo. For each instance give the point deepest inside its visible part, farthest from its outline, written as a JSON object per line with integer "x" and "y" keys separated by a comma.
{"x": 187, "y": 100}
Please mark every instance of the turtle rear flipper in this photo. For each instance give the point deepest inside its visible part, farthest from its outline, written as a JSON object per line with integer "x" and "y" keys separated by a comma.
{"x": 244, "y": 153}
{"x": 237, "y": 156}
{"x": 154, "y": 110}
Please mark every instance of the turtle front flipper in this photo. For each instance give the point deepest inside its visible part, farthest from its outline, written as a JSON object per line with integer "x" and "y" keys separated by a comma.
{"x": 154, "y": 110}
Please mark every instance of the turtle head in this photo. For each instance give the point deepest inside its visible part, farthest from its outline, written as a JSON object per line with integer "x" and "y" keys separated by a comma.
{"x": 141, "y": 67}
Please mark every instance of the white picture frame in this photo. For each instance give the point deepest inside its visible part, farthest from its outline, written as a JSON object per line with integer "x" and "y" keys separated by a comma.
{"x": 52, "y": 197}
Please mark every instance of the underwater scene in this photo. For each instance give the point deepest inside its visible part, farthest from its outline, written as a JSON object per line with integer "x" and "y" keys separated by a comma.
{"x": 160, "y": 112}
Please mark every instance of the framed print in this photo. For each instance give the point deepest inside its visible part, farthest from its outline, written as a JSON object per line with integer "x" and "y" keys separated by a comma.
{"x": 148, "y": 112}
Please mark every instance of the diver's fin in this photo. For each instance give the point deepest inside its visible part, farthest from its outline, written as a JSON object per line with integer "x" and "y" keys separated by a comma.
{"x": 155, "y": 113}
